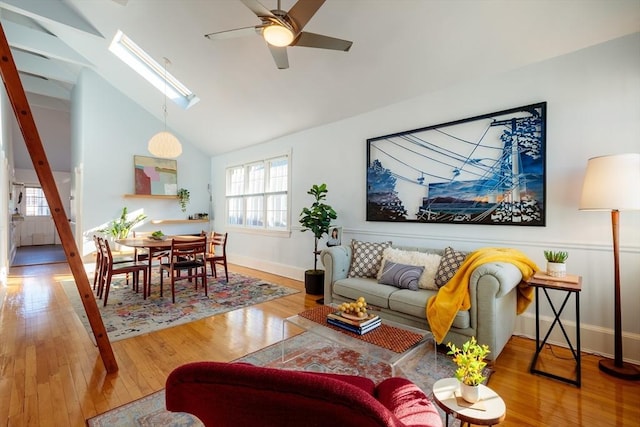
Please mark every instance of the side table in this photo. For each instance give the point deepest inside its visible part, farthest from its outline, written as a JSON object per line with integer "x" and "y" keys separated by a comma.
{"x": 493, "y": 407}
{"x": 571, "y": 285}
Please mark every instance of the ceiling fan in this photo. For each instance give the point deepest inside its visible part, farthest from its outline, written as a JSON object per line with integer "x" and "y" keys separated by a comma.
{"x": 281, "y": 29}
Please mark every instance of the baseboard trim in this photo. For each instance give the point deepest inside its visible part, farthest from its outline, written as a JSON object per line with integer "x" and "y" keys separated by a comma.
{"x": 593, "y": 339}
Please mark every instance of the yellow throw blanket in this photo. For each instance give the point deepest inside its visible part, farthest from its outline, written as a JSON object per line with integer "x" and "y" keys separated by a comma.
{"x": 454, "y": 296}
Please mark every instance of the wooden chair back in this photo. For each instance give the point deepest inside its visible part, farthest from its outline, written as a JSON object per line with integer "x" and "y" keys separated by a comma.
{"x": 186, "y": 255}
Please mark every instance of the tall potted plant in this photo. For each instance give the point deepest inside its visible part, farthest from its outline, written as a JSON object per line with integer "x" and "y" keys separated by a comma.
{"x": 317, "y": 219}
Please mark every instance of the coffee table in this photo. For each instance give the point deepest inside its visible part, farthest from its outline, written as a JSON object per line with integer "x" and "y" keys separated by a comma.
{"x": 297, "y": 324}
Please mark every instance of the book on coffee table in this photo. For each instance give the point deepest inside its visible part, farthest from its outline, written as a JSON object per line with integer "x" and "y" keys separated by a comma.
{"x": 360, "y": 330}
{"x": 352, "y": 320}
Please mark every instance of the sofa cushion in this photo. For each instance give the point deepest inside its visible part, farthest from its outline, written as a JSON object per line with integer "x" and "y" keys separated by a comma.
{"x": 429, "y": 261}
{"x": 375, "y": 294}
{"x": 414, "y": 303}
{"x": 449, "y": 265}
{"x": 400, "y": 275}
{"x": 367, "y": 258}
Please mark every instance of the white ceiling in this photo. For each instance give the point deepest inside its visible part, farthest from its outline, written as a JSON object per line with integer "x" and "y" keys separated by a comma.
{"x": 401, "y": 48}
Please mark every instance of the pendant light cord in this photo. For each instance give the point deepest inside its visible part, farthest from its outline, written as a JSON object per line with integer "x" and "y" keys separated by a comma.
{"x": 164, "y": 107}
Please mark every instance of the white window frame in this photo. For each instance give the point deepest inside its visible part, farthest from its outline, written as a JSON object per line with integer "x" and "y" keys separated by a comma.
{"x": 238, "y": 194}
{"x": 40, "y": 206}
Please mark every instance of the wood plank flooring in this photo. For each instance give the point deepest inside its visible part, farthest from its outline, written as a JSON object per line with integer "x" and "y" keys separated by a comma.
{"x": 52, "y": 375}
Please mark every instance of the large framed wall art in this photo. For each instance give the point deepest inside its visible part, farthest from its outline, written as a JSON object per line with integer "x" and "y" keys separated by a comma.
{"x": 488, "y": 169}
{"x": 155, "y": 176}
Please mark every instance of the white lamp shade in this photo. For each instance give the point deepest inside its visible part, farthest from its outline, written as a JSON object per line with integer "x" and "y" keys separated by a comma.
{"x": 165, "y": 145}
{"x": 612, "y": 183}
{"x": 277, "y": 35}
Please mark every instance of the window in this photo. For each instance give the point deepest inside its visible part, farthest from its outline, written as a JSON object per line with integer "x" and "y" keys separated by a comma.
{"x": 36, "y": 202}
{"x": 140, "y": 61}
{"x": 257, "y": 194}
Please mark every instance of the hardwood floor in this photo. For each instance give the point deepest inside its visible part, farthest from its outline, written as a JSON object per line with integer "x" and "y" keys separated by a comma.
{"x": 52, "y": 375}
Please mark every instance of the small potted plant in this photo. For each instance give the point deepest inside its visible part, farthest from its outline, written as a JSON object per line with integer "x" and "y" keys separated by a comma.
{"x": 470, "y": 361}
{"x": 556, "y": 266}
{"x": 183, "y": 198}
{"x": 317, "y": 219}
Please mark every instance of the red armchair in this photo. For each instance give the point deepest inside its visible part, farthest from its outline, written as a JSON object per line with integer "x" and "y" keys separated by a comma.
{"x": 239, "y": 394}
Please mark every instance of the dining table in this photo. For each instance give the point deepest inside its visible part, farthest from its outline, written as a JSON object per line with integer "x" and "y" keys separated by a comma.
{"x": 154, "y": 245}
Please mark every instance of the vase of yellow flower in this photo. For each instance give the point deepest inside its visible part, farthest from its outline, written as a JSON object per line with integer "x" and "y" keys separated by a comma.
{"x": 470, "y": 361}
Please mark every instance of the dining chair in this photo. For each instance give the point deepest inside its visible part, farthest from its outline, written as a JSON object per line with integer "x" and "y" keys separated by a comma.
{"x": 110, "y": 268}
{"x": 99, "y": 262}
{"x": 189, "y": 256}
{"x": 217, "y": 253}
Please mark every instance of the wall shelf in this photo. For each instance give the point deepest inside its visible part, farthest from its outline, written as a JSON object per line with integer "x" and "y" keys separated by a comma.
{"x": 150, "y": 196}
{"x": 177, "y": 221}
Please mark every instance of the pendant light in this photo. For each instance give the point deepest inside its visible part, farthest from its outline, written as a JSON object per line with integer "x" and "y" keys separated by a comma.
{"x": 164, "y": 144}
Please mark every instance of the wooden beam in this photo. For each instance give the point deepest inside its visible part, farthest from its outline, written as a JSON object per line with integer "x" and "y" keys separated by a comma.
{"x": 32, "y": 139}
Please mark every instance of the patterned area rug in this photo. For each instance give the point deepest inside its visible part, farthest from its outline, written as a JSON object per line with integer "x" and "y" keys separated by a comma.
{"x": 314, "y": 355}
{"x": 127, "y": 314}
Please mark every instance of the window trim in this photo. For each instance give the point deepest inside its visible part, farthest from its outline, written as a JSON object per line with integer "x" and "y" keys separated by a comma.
{"x": 39, "y": 206}
{"x": 264, "y": 229}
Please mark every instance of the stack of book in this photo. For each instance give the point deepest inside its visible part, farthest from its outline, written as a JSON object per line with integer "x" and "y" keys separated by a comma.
{"x": 353, "y": 324}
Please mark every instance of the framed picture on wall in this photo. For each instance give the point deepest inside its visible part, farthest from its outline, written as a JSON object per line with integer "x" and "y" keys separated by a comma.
{"x": 488, "y": 169}
{"x": 155, "y": 176}
{"x": 335, "y": 236}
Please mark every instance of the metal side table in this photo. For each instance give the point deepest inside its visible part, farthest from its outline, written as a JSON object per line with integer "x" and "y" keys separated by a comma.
{"x": 571, "y": 285}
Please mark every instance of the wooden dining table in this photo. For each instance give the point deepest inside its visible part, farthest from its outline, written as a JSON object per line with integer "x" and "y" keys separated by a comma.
{"x": 154, "y": 245}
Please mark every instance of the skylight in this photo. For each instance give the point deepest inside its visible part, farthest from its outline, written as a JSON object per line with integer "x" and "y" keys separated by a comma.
{"x": 140, "y": 61}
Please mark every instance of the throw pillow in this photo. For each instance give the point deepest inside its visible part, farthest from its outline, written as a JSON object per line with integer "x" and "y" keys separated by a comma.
{"x": 449, "y": 265}
{"x": 400, "y": 275}
{"x": 430, "y": 262}
{"x": 367, "y": 258}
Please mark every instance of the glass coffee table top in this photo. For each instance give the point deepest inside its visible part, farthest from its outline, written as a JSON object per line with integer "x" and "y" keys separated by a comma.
{"x": 397, "y": 361}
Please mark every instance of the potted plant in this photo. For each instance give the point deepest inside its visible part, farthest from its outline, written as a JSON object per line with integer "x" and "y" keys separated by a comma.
{"x": 556, "y": 266}
{"x": 183, "y": 198}
{"x": 317, "y": 219}
{"x": 120, "y": 228}
{"x": 471, "y": 364}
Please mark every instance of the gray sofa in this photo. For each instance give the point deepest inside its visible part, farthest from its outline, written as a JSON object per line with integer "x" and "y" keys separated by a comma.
{"x": 492, "y": 289}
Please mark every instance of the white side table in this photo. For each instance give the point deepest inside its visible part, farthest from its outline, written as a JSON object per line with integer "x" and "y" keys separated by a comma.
{"x": 494, "y": 407}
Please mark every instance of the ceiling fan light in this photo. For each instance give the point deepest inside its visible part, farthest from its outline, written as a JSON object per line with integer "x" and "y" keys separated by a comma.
{"x": 277, "y": 35}
{"x": 164, "y": 145}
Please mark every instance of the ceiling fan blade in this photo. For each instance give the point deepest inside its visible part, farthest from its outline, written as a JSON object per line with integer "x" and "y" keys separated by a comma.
{"x": 303, "y": 11}
{"x": 230, "y": 34}
{"x": 322, "y": 42}
{"x": 279, "y": 56}
{"x": 257, "y": 8}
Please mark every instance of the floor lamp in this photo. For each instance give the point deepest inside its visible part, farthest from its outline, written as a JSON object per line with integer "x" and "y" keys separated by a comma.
{"x": 611, "y": 183}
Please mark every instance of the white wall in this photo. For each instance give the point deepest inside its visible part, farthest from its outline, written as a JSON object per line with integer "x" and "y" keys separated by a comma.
{"x": 108, "y": 129}
{"x": 593, "y": 109}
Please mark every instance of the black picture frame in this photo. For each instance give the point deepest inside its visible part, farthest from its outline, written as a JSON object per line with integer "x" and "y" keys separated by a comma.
{"x": 488, "y": 169}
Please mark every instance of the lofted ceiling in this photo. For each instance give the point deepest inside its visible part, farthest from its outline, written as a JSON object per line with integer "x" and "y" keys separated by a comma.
{"x": 401, "y": 49}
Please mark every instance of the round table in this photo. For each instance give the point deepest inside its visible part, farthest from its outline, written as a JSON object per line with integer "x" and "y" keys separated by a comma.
{"x": 493, "y": 412}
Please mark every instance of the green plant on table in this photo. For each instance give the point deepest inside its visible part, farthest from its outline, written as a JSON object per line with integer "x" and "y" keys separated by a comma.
{"x": 120, "y": 228}
{"x": 470, "y": 361}
{"x": 556, "y": 256}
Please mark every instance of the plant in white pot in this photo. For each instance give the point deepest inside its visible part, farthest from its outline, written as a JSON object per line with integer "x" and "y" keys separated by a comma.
{"x": 317, "y": 219}
{"x": 183, "y": 198}
{"x": 470, "y": 361}
{"x": 556, "y": 266}
{"x": 119, "y": 228}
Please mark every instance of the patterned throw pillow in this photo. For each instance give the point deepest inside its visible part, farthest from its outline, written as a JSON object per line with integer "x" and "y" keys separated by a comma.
{"x": 367, "y": 257}
{"x": 449, "y": 264}
{"x": 430, "y": 262}
{"x": 400, "y": 275}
